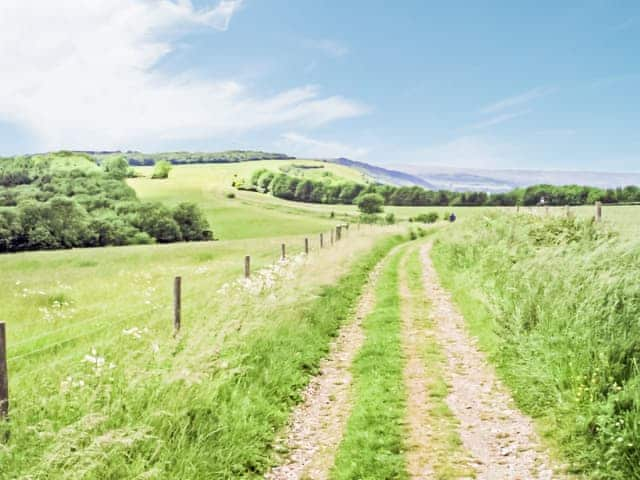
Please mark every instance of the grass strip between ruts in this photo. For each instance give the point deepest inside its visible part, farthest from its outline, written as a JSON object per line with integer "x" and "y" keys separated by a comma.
{"x": 373, "y": 444}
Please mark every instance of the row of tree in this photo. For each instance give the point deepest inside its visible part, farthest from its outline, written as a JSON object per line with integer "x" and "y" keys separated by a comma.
{"x": 328, "y": 190}
{"x": 64, "y": 201}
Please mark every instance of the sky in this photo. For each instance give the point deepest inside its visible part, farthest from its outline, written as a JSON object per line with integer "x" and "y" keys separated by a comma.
{"x": 485, "y": 84}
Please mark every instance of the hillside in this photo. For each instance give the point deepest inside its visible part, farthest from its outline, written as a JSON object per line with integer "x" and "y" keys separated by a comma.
{"x": 385, "y": 175}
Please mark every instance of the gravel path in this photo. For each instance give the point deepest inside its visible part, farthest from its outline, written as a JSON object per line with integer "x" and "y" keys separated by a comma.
{"x": 499, "y": 437}
{"x": 317, "y": 424}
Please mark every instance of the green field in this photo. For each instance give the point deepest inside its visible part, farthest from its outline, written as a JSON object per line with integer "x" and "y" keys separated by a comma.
{"x": 251, "y": 214}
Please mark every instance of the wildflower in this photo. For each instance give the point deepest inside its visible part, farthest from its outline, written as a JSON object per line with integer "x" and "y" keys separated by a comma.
{"x": 155, "y": 348}
{"x": 135, "y": 332}
{"x": 95, "y": 360}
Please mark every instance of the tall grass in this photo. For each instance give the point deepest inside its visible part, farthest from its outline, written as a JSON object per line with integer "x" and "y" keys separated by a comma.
{"x": 557, "y": 304}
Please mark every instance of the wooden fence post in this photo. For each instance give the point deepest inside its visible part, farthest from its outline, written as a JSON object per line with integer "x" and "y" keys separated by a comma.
{"x": 567, "y": 211}
{"x": 321, "y": 241}
{"x": 247, "y": 266}
{"x": 332, "y": 236}
{"x": 517, "y": 208}
{"x": 177, "y": 304}
{"x": 598, "y": 211}
{"x": 338, "y": 233}
{"x": 4, "y": 376}
{"x": 306, "y": 246}
{"x": 284, "y": 252}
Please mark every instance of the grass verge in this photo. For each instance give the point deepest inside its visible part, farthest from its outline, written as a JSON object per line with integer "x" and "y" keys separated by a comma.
{"x": 373, "y": 444}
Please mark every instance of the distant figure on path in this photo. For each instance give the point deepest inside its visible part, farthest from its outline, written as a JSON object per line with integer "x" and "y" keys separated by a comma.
{"x": 452, "y": 217}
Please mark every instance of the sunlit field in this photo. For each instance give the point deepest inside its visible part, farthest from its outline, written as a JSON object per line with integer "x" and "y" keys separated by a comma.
{"x": 95, "y": 369}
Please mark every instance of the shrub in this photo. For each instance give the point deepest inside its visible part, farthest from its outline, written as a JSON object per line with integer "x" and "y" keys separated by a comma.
{"x": 117, "y": 167}
{"x": 161, "y": 169}
{"x": 430, "y": 217}
{"x": 370, "y": 203}
{"x": 369, "y": 218}
{"x": 390, "y": 218}
{"x": 192, "y": 222}
{"x": 230, "y": 195}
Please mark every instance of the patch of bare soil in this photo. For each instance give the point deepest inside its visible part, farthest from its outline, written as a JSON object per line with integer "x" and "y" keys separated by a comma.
{"x": 500, "y": 438}
{"x": 317, "y": 424}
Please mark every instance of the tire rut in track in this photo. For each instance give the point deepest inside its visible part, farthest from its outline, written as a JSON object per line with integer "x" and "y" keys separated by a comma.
{"x": 316, "y": 425}
{"x": 501, "y": 439}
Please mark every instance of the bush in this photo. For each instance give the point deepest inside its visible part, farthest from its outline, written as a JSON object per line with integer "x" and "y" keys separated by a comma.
{"x": 192, "y": 223}
{"x": 430, "y": 217}
{"x": 161, "y": 169}
{"x": 369, "y": 218}
{"x": 370, "y": 203}
{"x": 230, "y": 195}
{"x": 117, "y": 167}
{"x": 390, "y": 218}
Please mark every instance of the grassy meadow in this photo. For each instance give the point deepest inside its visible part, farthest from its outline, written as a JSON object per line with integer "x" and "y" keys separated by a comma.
{"x": 253, "y": 215}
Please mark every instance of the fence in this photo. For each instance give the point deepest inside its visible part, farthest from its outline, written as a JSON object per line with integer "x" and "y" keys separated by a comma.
{"x": 597, "y": 216}
{"x": 177, "y": 320}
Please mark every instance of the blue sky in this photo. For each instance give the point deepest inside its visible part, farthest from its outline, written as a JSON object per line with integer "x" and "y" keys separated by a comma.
{"x": 551, "y": 85}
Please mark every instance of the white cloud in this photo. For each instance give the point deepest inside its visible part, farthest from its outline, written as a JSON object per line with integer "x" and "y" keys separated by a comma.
{"x": 497, "y": 119}
{"x": 517, "y": 100}
{"x": 81, "y": 74}
{"x": 304, "y": 146}
{"x": 329, "y": 47}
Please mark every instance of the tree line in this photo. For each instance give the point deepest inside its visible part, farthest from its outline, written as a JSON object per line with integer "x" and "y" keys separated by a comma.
{"x": 67, "y": 200}
{"x": 184, "y": 158}
{"x": 328, "y": 190}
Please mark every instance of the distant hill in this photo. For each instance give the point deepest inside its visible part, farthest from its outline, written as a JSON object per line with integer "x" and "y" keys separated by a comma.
{"x": 385, "y": 175}
{"x": 494, "y": 181}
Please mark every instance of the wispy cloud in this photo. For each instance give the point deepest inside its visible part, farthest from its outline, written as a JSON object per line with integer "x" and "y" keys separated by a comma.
{"x": 329, "y": 47}
{"x": 498, "y": 119}
{"x": 517, "y": 100}
{"x": 92, "y": 81}
{"x": 471, "y": 151}
{"x": 302, "y": 145}
{"x": 624, "y": 25}
{"x": 560, "y": 132}
{"x": 217, "y": 17}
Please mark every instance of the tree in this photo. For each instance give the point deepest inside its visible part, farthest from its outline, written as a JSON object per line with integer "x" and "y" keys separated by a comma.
{"x": 370, "y": 203}
{"x": 117, "y": 167}
{"x": 162, "y": 169}
{"x": 192, "y": 222}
